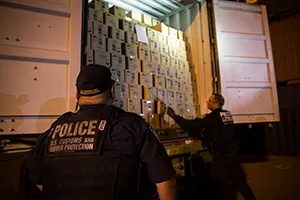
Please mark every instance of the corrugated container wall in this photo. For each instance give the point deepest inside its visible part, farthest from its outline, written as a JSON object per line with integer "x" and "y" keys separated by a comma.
{"x": 286, "y": 48}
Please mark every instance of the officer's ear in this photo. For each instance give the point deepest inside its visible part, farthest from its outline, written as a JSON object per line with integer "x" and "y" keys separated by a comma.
{"x": 112, "y": 92}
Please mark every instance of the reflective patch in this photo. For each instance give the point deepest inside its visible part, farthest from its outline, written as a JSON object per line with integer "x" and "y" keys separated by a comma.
{"x": 102, "y": 125}
{"x": 226, "y": 118}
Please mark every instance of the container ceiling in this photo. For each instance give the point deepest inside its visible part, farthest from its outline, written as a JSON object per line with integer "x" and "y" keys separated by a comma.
{"x": 158, "y": 9}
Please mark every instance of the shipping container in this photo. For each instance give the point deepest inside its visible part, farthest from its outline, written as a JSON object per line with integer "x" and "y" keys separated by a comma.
{"x": 45, "y": 43}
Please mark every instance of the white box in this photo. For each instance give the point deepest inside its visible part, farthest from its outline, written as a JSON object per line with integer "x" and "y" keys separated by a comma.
{"x": 131, "y": 50}
{"x": 179, "y": 86}
{"x": 170, "y": 84}
{"x": 164, "y": 49}
{"x": 144, "y": 53}
{"x": 98, "y": 42}
{"x": 131, "y": 77}
{"x": 128, "y": 26}
{"x": 176, "y": 74}
{"x": 134, "y": 105}
{"x": 117, "y": 74}
{"x": 173, "y": 33}
{"x": 162, "y": 28}
{"x": 121, "y": 90}
{"x": 135, "y": 15}
{"x": 96, "y": 15}
{"x": 148, "y": 67}
{"x": 181, "y": 45}
{"x": 90, "y": 29}
{"x": 102, "y": 58}
{"x": 146, "y": 19}
{"x": 133, "y": 64}
{"x": 146, "y": 79}
{"x": 117, "y": 11}
{"x": 89, "y": 57}
{"x": 114, "y": 46}
{"x": 180, "y": 35}
{"x": 111, "y": 20}
{"x": 162, "y": 39}
{"x": 160, "y": 70}
{"x": 152, "y": 34}
{"x": 155, "y": 22}
{"x": 179, "y": 97}
{"x": 155, "y": 57}
{"x": 130, "y": 38}
{"x": 154, "y": 45}
{"x": 183, "y": 66}
{"x": 165, "y": 60}
{"x": 149, "y": 92}
{"x": 99, "y": 5}
{"x": 171, "y": 96}
{"x": 162, "y": 94}
{"x": 135, "y": 91}
{"x": 121, "y": 103}
{"x": 118, "y": 60}
{"x": 170, "y": 72}
{"x": 159, "y": 81}
{"x": 174, "y": 62}
{"x": 100, "y": 29}
{"x": 116, "y": 34}
{"x": 172, "y": 51}
{"x": 147, "y": 106}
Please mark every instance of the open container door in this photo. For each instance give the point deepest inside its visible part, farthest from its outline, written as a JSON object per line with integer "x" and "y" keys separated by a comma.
{"x": 40, "y": 55}
{"x": 244, "y": 61}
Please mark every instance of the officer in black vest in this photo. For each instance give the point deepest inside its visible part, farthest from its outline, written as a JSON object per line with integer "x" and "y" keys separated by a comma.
{"x": 216, "y": 130}
{"x": 101, "y": 151}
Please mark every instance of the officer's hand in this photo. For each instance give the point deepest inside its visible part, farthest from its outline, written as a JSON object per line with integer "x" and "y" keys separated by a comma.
{"x": 171, "y": 112}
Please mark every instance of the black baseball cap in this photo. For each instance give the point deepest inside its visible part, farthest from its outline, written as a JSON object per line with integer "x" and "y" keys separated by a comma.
{"x": 94, "y": 79}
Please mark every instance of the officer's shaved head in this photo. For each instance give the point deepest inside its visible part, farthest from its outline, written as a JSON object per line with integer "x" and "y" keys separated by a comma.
{"x": 219, "y": 99}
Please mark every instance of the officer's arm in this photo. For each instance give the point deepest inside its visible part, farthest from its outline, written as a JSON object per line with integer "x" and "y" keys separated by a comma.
{"x": 159, "y": 165}
{"x": 37, "y": 165}
{"x": 192, "y": 126}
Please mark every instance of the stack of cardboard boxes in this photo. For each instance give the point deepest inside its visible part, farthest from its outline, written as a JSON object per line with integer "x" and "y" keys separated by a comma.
{"x": 148, "y": 77}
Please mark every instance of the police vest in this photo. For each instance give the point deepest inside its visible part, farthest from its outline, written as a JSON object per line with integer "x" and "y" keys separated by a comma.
{"x": 81, "y": 162}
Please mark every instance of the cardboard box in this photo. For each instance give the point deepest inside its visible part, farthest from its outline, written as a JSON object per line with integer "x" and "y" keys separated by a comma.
{"x": 160, "y": 70}
{"x": 165, "y": 60}
{"x": 130, "y": 38}
{"x": 117, "y": 74}
{"x": 134, "y": 105}
{"x": 173, "y": 33}
{"x": 121, "y": 103}
{"x": 89, "y": 57}
{"x": 147, "y": 106}
{"x": 164, "y": 121}
{"x": 154, "y": 121}
{"x": 121, "y": 90}
{"x": 161, "y": 28}
{"x": 102, "y": 58}
{"x": 155, "y": 57}
{"x": 161, "y": 107}
{"x": 99, "y": 5}
{"x": 170, "y": 72}
{"x": 148, "y": 67}
{"x": 116, "y": 34}
{"x": 179, "y": 97}
{"x": 170, "y": 84}
{"x": 133, "y": 64}
{"x": 100, "y": 29}
{"x": 180, "y": 35}
{"x": 144, "y": 53}
{"x": 131, "y": 50}
{"x": 159, "y": 81}
{"x": 98, "y": 42}
{"x": 146, "y": 79}
{"x": 164, "y": 49}
{"x": 146, "y": 19}
{"x": 96, "y": 15}
{"x": 135, "y": 15}
{"x": 149, "y": 92}
{"x": 162, "y": 39}
{"x": 154, "y": 45}
{"x": 152, "y": 34}
{"x": 118, "y": 60}
{"x": 111, "y": 20}
{"x": 128, "y": 26}
{"x": 131, "y": 77}
{"x": 114, "y": 46}
{"x": 117, "y": 11}
{"x": 135, "y": 91}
